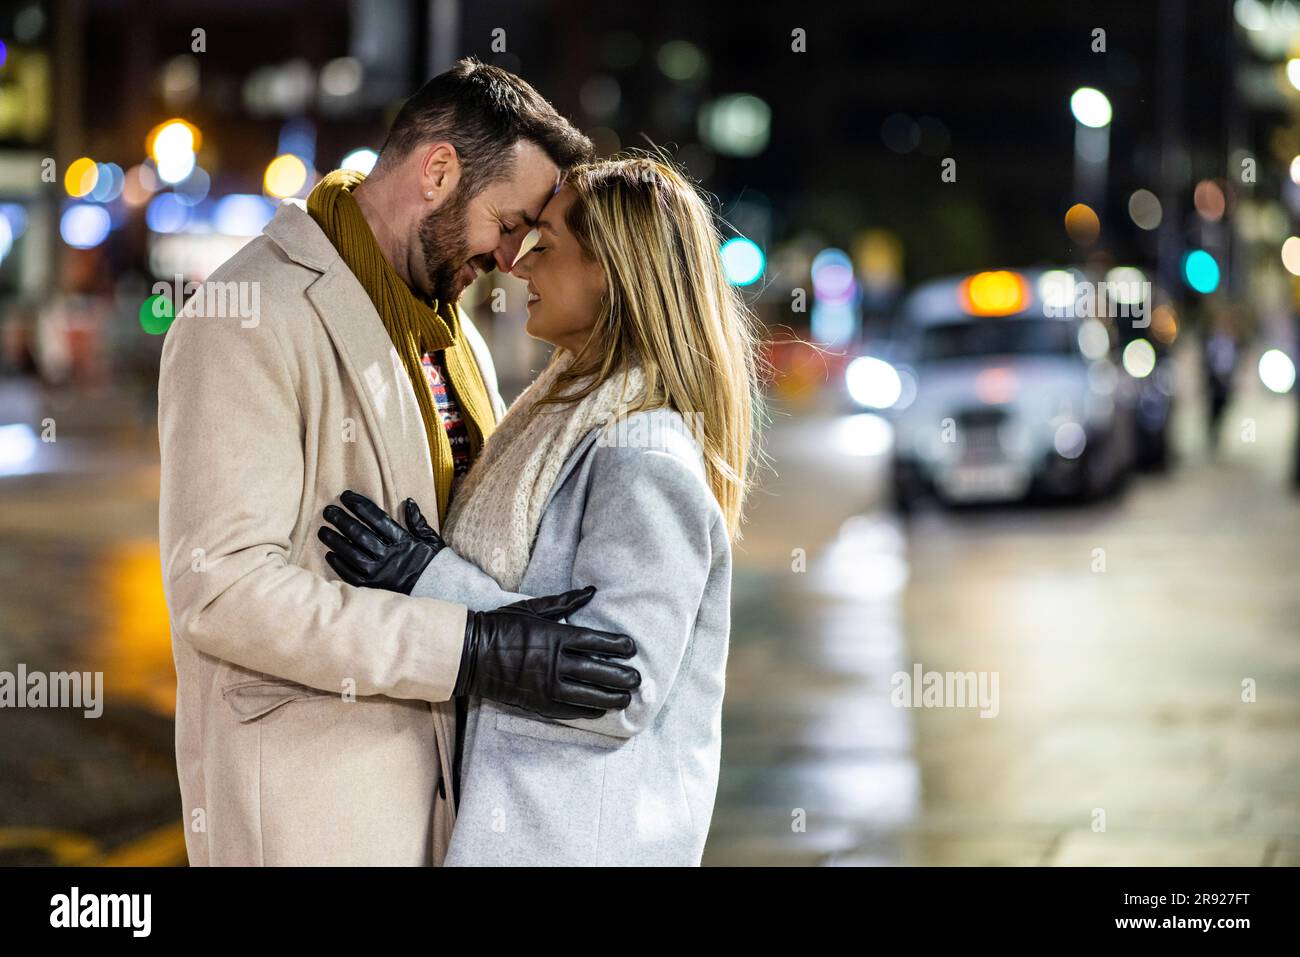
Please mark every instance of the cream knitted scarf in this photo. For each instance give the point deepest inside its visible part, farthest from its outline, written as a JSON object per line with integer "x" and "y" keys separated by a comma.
{"x": 496, "y": 512}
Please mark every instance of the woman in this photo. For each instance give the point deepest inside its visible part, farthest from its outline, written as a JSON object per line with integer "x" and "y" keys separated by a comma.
{"x": 624, "y": 467}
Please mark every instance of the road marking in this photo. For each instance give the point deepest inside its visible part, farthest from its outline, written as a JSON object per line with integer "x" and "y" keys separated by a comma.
{"x": 164, "y": 847}
{"x": 66, "y": 848}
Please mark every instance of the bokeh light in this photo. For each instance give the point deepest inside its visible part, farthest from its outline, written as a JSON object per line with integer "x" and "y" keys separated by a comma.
{"x": 1139, "y": 358}
{"x": 1201, "y": 270}
{"x": 742, "y": 261}
{"x": 15, "y": 214}
{"x": 998, "y": 293}
{"x": 1069, "y": 440}
{"x": 1276, "y": 371}
{"x": 84, "y": 225}
{"x": 167, "y": 214}
{"x": 109, "y": 181}
{"x": 341, "y": 77}
{"x": 1209, "y": 200}
{"x": 173, "y": 146}
{"x": 242, "y": 214}
{"x": 193, "y": 189}
{"x": 873, "y": 383}
{"x": 156, "y": 314}
{"x": 286, "y": 175}
{"x": 1164, "y": 323}
{"x": 1145, "y": 209}
{"x": 681, "y": 60}
{"x": 1082, "y": 224}
{"x": 1094, "y": 339}
{"x": 140, "y": 183}
{"x": 737, "y": 125}
{"x": 1291, "y": 255}
{"x": 80, "y": 177}
{"x": 1127, "y": 284}
{"x": 832, "y": 277}
{"x": 361, "y": 160}
{"x": 1056, "y": 290}
{"x": 1090, "y": 107}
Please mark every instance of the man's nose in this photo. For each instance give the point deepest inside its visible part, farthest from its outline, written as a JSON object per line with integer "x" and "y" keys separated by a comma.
{"x": 507, "y": 252}
{"x": 524, "y": 267}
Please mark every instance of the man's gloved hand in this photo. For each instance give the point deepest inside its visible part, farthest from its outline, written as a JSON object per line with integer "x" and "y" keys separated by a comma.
{"x": 520, "y": 655}
{"x": 373, "y": 551}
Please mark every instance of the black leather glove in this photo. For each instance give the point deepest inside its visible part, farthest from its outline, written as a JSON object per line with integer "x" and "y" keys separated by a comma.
{"x": 520, "y": 655}
{"x": 373, "y": 551}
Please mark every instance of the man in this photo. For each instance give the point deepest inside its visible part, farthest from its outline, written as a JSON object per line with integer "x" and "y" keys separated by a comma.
{"x": 313, "y": 720}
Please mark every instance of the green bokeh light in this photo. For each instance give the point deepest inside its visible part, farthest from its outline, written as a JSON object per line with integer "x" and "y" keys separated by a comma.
{"x": 156, "y": 314}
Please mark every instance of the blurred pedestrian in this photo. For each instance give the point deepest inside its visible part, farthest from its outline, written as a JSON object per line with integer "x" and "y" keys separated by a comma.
{"x": 1220, "y": 357}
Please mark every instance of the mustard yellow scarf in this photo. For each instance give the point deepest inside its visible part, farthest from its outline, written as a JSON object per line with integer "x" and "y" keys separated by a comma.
{"x": 414, "y": 324}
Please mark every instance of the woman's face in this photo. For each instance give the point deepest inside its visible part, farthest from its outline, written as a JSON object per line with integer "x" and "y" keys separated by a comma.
{"x": 565, "y": 288}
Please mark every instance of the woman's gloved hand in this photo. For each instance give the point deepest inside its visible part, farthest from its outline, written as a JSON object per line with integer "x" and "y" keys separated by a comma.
{"x": 373, "y": 551}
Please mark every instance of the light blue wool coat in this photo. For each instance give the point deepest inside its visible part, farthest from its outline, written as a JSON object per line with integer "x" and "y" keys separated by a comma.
{"x": 636, "y": 519}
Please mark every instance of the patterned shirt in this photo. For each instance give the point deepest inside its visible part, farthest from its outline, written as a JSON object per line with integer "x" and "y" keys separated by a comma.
{"x": 461, "y": 457}
{"x": 449, "y": 413}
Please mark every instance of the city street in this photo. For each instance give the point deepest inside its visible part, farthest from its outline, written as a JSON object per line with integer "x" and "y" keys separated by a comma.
{"x": 1119, "y": 636}
{"x": 1121, "y": 690}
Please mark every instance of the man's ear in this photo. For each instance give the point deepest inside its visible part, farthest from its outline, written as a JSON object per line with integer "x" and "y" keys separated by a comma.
{"x": 439, "y": 171}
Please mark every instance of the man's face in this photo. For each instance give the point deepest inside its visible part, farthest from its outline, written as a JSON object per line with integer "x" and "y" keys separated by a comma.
{"x": 462, "y": 238}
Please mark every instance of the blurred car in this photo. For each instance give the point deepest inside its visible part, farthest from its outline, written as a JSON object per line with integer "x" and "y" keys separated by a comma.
{"x": 997, "y": 391}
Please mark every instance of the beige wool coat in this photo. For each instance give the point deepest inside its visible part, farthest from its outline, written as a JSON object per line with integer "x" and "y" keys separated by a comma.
{"x": 313, "y": 720}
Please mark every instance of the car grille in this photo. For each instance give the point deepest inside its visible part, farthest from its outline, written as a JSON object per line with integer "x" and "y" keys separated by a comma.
{"x": 977, "y": 430}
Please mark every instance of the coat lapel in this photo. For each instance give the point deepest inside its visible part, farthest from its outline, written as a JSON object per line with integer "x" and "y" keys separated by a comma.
{"x": 372, "y": 364}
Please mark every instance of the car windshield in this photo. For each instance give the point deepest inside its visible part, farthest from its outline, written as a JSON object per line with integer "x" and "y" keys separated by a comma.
{"x": 997, "y": 337}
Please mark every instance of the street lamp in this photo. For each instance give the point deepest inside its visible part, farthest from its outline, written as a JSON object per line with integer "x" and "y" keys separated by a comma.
{"x": 1092, "y": 116}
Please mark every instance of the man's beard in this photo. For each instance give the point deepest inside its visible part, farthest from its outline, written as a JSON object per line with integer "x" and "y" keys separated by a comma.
{"x": 445, "y": 248}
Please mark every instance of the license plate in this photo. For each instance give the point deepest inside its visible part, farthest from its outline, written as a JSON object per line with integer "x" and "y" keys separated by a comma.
{"x": 968, "y": 483}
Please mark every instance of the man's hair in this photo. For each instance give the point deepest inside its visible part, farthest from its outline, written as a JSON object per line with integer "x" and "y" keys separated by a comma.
{"x": 482, "y": 111}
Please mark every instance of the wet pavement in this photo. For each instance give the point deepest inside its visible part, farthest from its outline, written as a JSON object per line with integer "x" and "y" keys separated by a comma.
{"x": 1119, "y": 636}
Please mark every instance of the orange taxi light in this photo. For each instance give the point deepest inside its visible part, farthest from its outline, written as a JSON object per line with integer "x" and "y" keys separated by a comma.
{"x": 999, "y": 293}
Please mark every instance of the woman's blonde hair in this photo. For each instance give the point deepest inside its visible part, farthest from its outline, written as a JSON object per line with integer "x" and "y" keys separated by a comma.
{"x": 668, "y": 305}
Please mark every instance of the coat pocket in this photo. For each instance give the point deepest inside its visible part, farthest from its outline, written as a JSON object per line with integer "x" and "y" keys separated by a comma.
{"x": 255, "y": 698}
{"x": 550, "y": 731}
